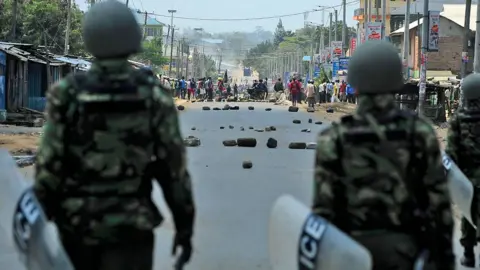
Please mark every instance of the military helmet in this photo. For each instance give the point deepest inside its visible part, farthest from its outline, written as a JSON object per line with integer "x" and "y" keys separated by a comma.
{"x": 110, "y": 30}
{"x": 471, "y": 86}
{"x": 375, "y": 68}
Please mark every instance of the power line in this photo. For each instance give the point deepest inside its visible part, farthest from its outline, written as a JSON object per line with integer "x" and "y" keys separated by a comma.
{"x": 248, "y": 19}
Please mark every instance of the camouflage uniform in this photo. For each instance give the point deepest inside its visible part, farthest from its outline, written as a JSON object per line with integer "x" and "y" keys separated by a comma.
{"x": 463, "y": 146}
{"x": 379, "y": 168}
{"x": 109, "y": 132}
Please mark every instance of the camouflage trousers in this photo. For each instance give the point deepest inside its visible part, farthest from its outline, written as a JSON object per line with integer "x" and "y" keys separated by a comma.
{"x": 391, "y": 250}
{"x": 135, "y": 255}
{"x": 470, "y": 235}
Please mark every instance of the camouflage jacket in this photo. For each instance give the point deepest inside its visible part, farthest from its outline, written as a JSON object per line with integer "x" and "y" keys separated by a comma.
{"x": 360, "y": 181}
{"x": 463, "y": 140}
{"x": 108, "y": 134}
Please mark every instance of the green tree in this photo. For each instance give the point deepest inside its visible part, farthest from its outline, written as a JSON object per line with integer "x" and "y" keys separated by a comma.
{"x": 42, "y": 22}
{"x": 210, "y": 67}
{"x": 152, "y": 53}
{"x": 256, "y": 56}
{"x": 279, "y": 34}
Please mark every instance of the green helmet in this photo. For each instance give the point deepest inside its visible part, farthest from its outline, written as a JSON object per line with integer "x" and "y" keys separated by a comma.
{"x": 375, "y": 68}
{"x": 110, "y": 30}
{"x": 471, "y": 86}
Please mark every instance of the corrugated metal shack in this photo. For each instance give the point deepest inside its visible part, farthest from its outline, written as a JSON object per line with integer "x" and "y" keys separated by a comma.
{"x": 26, "y": 72}
{"x": 436, "y": 102}
{"x": 75, "y": 64}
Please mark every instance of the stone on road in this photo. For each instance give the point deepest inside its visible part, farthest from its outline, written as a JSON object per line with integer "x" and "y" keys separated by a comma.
{"x": 246, "y": 142}
{"x": 247, "y": 164}
{"x": 233, "y": 204}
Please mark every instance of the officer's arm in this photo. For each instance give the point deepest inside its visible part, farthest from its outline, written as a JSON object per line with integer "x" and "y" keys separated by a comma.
{"x": 453, "y": 139}
{"x": 170, "y": 168}
{"x": 50, "y": 155}
{"x": 439, "y": 203}
{"x": 327, "y": 181}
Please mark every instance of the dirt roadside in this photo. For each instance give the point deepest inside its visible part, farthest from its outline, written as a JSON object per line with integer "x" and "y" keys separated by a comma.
{"x": 24, "y": 141}
{"x": 342, "y": 108}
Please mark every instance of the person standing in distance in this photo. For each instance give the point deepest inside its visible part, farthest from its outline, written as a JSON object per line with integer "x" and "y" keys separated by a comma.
{"x": 378, "y": 172}
{"x": 463, "y": 146}
{"x": 109, "y": 133}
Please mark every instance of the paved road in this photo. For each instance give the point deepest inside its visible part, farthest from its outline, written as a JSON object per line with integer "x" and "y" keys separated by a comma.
{"x": 233, "y": 203}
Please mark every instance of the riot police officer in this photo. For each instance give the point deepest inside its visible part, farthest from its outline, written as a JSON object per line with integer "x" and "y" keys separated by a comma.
{"x": 463, "y": 146}
{"x": 104, "y": 143}
{"x": 378, "y": 174}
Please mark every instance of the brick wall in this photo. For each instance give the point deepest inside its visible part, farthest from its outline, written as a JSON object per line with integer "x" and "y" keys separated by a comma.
{"x": 449, "y": 55}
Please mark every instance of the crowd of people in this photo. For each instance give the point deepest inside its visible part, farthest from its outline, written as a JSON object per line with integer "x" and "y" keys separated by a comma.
{"x": 378, "y": 173}
{"x": 203, "y": 88}
{"x": 297, "y": 92}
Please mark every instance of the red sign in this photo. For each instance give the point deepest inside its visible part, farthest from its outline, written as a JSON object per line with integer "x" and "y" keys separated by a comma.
{"x": 353, "y": 45}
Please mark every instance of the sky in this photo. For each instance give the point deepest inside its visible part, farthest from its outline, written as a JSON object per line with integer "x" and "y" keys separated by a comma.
{"x": 239, "y": 9}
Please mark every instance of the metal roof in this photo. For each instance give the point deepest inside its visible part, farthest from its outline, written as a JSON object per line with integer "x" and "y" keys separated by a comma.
{"x": 456, "y": 13}
{"x": 79, "y": 63}
{"x": 141, "y": 19}
{"x": 453, "y": 12}
{"x": 212, "y": 40}
{"x": 411, "y": 26}
{"x": 12, "y": 49}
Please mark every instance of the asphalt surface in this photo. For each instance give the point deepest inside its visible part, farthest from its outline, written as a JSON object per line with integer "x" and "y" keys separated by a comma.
{"x": 233, "y": 203}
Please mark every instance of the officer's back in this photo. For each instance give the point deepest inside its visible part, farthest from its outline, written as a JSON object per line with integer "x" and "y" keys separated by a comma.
{"x": 109, "y": 133}
{"x": 463, "y": 146}
{"x": 378, "y": 172}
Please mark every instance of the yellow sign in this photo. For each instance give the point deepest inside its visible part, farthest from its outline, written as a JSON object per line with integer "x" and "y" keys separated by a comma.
{"x": 166, "y": 67}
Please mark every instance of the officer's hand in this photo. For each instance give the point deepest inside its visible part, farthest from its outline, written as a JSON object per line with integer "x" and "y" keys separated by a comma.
{"x": 186, "y": 244}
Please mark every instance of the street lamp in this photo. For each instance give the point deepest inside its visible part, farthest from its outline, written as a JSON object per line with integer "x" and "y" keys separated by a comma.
{"x": 171, "y": 43}
{"x": 199, "y": 29}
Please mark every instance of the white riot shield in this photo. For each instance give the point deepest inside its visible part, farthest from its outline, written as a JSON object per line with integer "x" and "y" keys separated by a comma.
{"x": 301, "y": 240}
{"x": 461, "y": 189}
{"x": 23, "y": 223}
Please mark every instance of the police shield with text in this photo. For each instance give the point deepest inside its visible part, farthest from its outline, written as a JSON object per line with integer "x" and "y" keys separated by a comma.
{"x": 29, "y": 233}
{"x": 461, "y": 189}
{"x": 299, "y": 239}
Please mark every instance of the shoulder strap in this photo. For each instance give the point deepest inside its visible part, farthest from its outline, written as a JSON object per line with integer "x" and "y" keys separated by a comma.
{"x": 415, "y": 187}
{"x": 340, "y": 192}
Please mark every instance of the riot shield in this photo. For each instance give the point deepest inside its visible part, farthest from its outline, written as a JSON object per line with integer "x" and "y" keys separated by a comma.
{"x": 23, "y": 223}
{"x": 461, "y": 189}
{"x": 301, "y": 240}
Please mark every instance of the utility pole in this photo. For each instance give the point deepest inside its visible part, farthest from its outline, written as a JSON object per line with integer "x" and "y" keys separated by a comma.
{"x": 171, "y": 53}
{"x": 220, "y": 62}
{"x": 178, "y": 59}
{"x": 67, "y": 28}
{"x": 145, "y": 18}
{"x": 172, "y": 11}
{"x": 202, "y": 60}
{"x": 330, "y": 31}
{"x": 186, "y": 63}
{"x": 336, "y": 25}
{"x": 466, "y": 37}
{"x": 13, "y": 34}
{"x": 322, "y": 38}
{"x": 406, "y": 37}
{"x": 312, "y": 61}
{"x": 476, "y": 60}
{"x": 344, "y": 28}
{"x": 384, "y": 19}
{"x": 166, "y": 40}
{"x": 377, "y": 10}
{"x": 423, "y": 68}
{"x": 365, "y": 19}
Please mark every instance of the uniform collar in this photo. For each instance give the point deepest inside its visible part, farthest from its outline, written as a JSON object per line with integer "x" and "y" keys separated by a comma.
{"x": 111, "y": 66}
{"x": 376, "y": 105}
